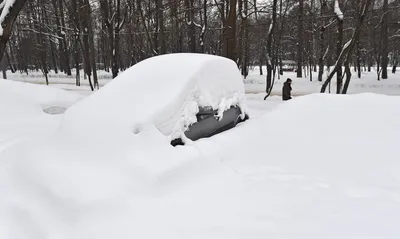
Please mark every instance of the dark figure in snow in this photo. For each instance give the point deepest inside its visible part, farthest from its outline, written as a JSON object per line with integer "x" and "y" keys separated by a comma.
{"x": 286, "y": 90}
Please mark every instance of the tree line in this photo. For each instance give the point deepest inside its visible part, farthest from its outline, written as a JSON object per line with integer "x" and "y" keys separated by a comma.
{"x": 112, "y": 35}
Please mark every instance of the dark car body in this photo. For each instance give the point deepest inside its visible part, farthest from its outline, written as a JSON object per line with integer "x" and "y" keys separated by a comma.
{"x": 209, "y": 124}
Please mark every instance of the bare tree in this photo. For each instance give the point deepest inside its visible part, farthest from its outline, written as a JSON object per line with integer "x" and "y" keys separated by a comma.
{"x": 160, "y": 26}
{"x": 191, "y": 33}
{"x": 114, "y": 23}
{"x": 348, "y": 48}
{"x": 385, "y": 39}
{"x": 300, "y": 46}
{"x": 339, "y": 45}
{"x": 229, "y": 32}
{"x": 322, "y": 52}
{"x": 7, "y": 20}
{"x": 270, "y": 60}
{"x": 79, "y": 33}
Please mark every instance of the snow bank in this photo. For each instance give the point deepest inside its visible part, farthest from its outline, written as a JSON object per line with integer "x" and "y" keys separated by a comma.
{"x": 319, "y": 166}
{"x": 40, "y": 95}
{"x": 165, "y": 91}
{"x": 22, "y": 110}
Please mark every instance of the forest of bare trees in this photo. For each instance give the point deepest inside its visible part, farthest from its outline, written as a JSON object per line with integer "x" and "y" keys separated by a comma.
{"x": 112, "y": 35}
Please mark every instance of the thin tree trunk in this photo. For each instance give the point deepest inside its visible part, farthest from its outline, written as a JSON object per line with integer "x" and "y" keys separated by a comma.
{"x": 86, "y": 41}
{"x": 300, "y": 40}
{"x": 52, "y": 54}
{"x": 160, "y": 19}
{"x": 245, "y": 66}
{"x": 358, "y": 63}
{"x": 385, "y": 40}
{"x": 64, "y": 40}
{"x": 239, "y": 49}
{"x": 321, "y": 44}
{"x": 12, "y": 67}
{"x": 8, "y": 23}
{"x": 3, "y": 64}
{"x": 115, "y": 51}
{"x": 91, "y": 47}
{"x": 270, "y": 60}
{"x": 339, "y": 46}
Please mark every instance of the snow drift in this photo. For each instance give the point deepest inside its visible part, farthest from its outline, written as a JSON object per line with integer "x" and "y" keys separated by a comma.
{"x": 22, "y": 110}
{"x": 31, "y": 94}
{"x": 319, "y": 166}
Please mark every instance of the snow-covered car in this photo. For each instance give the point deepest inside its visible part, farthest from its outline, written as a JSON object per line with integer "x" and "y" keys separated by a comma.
{"x": 185, "y": 96}
{"x": 209, "y": 123}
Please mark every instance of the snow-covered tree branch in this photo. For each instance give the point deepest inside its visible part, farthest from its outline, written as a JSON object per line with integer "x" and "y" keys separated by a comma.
{"x": 9, "y": 12}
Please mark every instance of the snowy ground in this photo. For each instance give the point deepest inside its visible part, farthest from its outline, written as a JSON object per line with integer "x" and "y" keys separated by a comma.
{"x": 254, "y": 83}
{"x": 319, "y": 166}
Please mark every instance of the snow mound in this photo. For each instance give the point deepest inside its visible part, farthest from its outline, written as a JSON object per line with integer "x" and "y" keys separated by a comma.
{"x": 319, "y": 166}
{"x": 22, "y": 108}
{"x": 35, "y": 97}
{"x": 164, "y": 91}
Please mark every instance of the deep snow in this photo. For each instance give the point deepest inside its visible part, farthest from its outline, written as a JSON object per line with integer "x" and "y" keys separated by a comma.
{"x": 22, "y": 108}
{"x": 319, "y": 166}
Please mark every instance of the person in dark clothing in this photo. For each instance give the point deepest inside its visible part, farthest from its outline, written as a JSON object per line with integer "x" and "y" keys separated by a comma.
{"x": 286, "y": 90}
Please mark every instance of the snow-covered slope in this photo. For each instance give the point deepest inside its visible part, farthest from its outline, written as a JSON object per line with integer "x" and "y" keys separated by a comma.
{"x": 319, "y": 166}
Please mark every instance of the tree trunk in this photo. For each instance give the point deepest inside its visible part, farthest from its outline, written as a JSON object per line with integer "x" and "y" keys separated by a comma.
{"x": 321, "y": 44}
{"x": 358, "y": 60}
{"x": 8, "y": 23}
{"x": 3, "y": 64}
{"x": 75, "y": 19}
{"x": 115, "y": 51}
{"x": 270, "y": 60}
{"x": 279, "y": 43}
{"x": 245, "y": 66}
{"x": 339, "y": 46}
{"x": 240, "y": 47}
{"x": 161, "y": 34}
{"x": 64, "y": 40}
{"x": 191, "y": 30}
{"x": 86, "y": 41}
{"x": 229, "y": 33}
{"x": 52, "y": 50}
{"x": 43, "y": 46}
{"x": 204, "y": 28}
{"x": 300, "y": 46}
{"x": 355, "y": 38}
{"x": 59, "y": 15}
{"x": 385, "y": 40}
{"x": 91, "y": 44}
{"x": 348, "y": 49}
{"x": 12, "y": 67}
